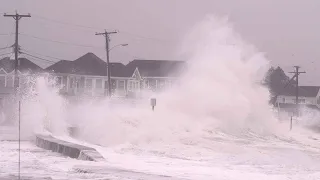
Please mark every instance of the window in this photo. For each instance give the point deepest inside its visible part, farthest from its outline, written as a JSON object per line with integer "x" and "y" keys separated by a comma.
{"x": 88, "y": 83}
{"x": 99, "y": 83}
{"x": 167, "y": 83}
{"x": 146, "y": 83}
{"x": 133, "y": 85}
{"x": 17, "y": 81}
{"x": 130, "y": 88}
{"x": 106, "y": 85}
{"x": 283, "y": 100}
{"x": 300, "y": 101}
{"x": 121, "y": 84}
{"x": 9, "y": 81}
{"x": 2, "y": 81}
{"x": 64, "y": 81}
{"x": 71, "y": 82}
{"x": 1, "y": 103}
{"x": 59, "y": 80}
{"x": 161, "y": 84}
{"x": 153, "y": 84}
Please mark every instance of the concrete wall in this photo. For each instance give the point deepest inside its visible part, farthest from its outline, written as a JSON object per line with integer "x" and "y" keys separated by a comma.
{"x": 69, "y": 149}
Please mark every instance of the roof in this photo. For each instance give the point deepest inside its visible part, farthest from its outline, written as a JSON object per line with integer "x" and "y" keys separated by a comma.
{"x": 311, "y": 91}
{"x": 119, "y": 70}
{"x": 156, "y": 68}
{"x": 25, "y": 65}
{"x": 304, "y": 91}
{"x": 88, "y": 64}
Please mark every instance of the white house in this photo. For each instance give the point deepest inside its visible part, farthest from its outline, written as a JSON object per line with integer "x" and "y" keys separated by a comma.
{"x": 26, "y": 67}
{"x": 157, "y": 74}
{"x": 87, "y": 75}
{"x": 307, "y": 95}
{"x": 7, "y": 82}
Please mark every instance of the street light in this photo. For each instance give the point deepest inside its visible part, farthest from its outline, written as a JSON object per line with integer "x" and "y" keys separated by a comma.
{"x": 109, "y": 69}
{"x": 117, "y": 46}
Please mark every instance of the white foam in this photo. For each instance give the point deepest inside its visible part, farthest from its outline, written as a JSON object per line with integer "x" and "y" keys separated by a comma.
{"x": 220, "y": 90}
{"x": 218, "y": 107}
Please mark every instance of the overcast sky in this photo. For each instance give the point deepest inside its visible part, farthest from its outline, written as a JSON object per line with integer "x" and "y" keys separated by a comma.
{"x": 286, "y": 30}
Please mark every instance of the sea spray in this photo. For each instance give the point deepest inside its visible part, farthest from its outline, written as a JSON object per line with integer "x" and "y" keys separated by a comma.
{"x": 42, "y": 108}
{"x": 219, "y": 93}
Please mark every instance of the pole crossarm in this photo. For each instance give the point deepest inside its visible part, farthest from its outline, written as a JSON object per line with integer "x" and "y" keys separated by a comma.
{"x": 17, "y": 17}
{"x": 296, "y": 74}
{"x": 106, "y": 35}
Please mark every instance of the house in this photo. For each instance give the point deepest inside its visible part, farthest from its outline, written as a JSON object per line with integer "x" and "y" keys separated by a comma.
{"x": 156, "y": 74}
{"x": 7, "y": 71}
{"x": 309, "y": 96}
{"x": 7, "y": 83}
{"x": 87, "y": 75}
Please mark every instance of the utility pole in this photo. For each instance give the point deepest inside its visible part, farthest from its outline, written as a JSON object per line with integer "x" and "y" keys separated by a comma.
{"x": 106, "y": 35}
{"x": 17, "y": 17}
{"x": 296, "y": 74}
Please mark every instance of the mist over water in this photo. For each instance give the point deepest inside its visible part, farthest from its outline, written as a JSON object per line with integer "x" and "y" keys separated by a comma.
{"x": 42, "y": 108}
{"x": 219, "y": 93}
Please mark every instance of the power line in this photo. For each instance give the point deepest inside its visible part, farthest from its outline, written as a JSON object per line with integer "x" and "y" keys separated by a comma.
{"x": 66, "y": 23}
{"x": 5, "y": 54}
{"x": 50, "y": 61}
{"x": 98, "y": 28}
{"x": 28, "y": 51}
{"x": 34, "y": 60}
{"x": 6, "y": 34}
{"x": 5, "y": 47}
{"x": 12, "y": 32}
{"x": 60, "y": 42}
{"x": 144, "y": 37}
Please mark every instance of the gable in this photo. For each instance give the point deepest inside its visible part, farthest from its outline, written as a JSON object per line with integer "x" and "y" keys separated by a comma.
{"x": 2, "y": 71}
{"x": 136, "y": 74}
{"x": 8, "y": 65}
{"x": 88, "y": 64}
{"x": 157, "y": 68}
{"x": 318, "y": 93}
{"x": 18, "y": 72}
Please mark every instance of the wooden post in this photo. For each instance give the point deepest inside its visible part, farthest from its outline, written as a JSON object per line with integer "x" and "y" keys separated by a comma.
{"x": 291, "y": 123}
{"x": 153, "y": 102}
